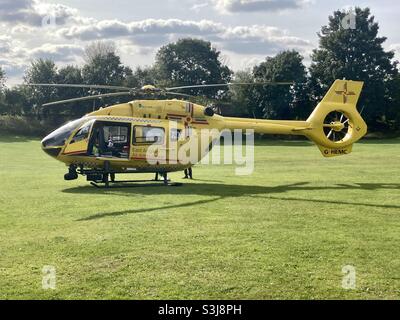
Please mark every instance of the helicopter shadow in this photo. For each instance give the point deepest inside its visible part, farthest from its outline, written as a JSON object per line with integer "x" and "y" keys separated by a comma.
{"x": 224, "y": 191}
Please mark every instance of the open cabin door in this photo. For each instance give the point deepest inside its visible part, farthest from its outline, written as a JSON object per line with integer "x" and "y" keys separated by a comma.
{"x": 110, "y": 139}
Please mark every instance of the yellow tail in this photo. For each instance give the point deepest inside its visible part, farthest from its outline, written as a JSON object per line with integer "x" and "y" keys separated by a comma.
{"x": 335, "y": 124}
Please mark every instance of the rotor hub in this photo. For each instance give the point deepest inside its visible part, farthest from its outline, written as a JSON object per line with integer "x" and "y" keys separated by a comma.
{"x": 337, "y": 126}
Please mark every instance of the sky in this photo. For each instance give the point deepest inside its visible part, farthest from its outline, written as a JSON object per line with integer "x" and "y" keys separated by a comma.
{"x": 245, "y": 31}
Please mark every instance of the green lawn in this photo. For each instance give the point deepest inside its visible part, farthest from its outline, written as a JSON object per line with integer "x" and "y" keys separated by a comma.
{"x": 284, "y": 232}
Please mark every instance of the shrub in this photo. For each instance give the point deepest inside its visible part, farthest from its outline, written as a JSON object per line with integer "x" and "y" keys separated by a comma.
{"x": 25, "y": 126}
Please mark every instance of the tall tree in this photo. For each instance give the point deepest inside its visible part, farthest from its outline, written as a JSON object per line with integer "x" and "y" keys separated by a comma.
{"x": 41, "y": 71}
{"x": 141, "y": 76}
{"x": 98, "y": 48}
{"x": 2, "y": 79}
{"x": 17, "y": 101}
{"x": 72, "y": 74}
{"x": 280, "y": 102}
{"x": 355, "y": 53}
{"x": 191, "y": 62}
{"x": 394, "y": 105}
{"x": 242, "y": 97}
{"x": 106, "y": 69}
{"x": 3, "y": 106}
{"x": 104, "y": 66}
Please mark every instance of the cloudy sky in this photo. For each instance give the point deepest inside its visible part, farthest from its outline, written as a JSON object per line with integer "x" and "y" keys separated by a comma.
{"x": 246, "y": 31}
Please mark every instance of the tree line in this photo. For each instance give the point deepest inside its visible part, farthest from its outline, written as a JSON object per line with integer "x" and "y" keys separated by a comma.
{"x": 354, "y": 54}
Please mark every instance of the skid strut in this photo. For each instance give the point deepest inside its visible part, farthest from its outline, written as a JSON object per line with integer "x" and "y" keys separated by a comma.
{"x": 105, "y": 178}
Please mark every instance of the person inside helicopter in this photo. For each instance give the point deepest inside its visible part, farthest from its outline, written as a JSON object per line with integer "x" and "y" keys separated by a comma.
{"x": 95, "y": 149}
{"x": 110, "y": 140}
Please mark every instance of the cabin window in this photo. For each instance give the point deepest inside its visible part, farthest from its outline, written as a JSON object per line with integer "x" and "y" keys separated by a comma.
{"x": 117, "y": 134}
{"x": 148, "y": 135}
{"x": 110, "y": 139}
{"x": 61, "y": 135}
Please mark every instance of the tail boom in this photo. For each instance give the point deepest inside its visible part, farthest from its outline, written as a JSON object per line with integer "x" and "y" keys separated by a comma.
{"x": 334, "y": 125}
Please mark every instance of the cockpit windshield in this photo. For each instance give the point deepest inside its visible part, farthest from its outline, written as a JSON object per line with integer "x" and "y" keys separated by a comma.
{"x": 58, "y": 137}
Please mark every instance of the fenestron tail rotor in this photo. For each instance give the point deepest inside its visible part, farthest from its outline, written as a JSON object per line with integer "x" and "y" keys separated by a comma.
{"x": 336, "y": 126}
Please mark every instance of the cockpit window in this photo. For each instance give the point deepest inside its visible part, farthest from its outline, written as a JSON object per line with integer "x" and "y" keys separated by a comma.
{"x": 83, "y": 132}
{"x": 58, "y": 137}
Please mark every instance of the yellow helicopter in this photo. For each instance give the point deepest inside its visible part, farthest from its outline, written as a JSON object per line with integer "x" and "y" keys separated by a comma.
{"x": 117, "y": 139}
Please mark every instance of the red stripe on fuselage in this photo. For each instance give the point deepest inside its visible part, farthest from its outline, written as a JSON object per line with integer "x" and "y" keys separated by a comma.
{"x": 74, "y": 152}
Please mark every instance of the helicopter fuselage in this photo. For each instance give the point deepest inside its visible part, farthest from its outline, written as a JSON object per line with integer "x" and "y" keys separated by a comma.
{"x": 135, "y": 126}
{"x": 122, "y": 136}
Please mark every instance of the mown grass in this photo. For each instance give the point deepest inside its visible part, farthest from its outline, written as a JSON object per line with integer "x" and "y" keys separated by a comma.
{"x": 284, "y": 232}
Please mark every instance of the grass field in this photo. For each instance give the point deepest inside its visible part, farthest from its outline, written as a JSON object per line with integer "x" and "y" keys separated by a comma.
{"x": 284, "y": 232}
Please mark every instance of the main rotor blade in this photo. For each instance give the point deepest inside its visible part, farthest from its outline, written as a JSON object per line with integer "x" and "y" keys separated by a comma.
{"x": 105, "y": 95}
{"x": 67, "y": 85}
{"x": 179, "y": 94}
{"x": 230, "y": 84}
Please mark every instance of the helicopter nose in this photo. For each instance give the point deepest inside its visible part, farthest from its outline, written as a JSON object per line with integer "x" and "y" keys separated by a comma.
{"x": 47, "y": 142}
{"x": 52, "y": 151}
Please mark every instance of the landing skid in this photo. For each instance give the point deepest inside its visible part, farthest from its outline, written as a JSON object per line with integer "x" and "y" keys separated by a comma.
{"x": 156, "y": 182}
{"x": 135, "y": 184}
{"x": 105, "y": 178}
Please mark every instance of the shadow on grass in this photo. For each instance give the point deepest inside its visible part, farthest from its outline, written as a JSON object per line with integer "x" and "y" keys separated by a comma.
{"x": 348, "y": 203}
{"x": 223, "y": 191}
{"x": 123, "y": 212}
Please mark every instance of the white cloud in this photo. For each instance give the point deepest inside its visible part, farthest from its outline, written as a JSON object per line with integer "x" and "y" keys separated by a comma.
{"x": 15, "y": 57}
{"x": 5, "y": 44}
{"x": 237, "y": 6}
{"x": 34, "y": 12}
{"x": 198, "y": 6}
{"x": 396, "y": 48}
{"x": 256, "y": 39}
{"x": 57, "y": 52}
{"x": 25, "y": 37}
{"x": 115, "y": 28}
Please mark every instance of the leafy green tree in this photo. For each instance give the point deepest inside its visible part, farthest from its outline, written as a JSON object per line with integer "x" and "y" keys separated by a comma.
{"x": 191, "y": 62}
{"x": 3, "y": 106}
{"x": 40, "y": 71}
{"x": 72, "y": 75}
{"x": 141, "y": 76}
{"x": 394, "y": 105}
{"x": 104, "y": 66}
{"x": 2, "y": 79}
{"x": 98, "y": 48}
{"x": 356, "y": 54}
{"x": 17, "y": 101}
{"x": 105, "y": 69}
{"x": 280, "y": 101}
{"x": 242, "y": 96}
